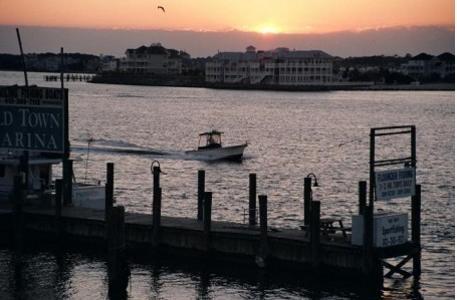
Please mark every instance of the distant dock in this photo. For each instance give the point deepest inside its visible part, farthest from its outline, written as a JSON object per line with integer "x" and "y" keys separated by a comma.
{"x": 69, "y": 77}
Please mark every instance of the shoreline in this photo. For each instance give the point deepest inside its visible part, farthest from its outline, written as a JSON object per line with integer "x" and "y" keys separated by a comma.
{"x": 192, "y": 82}
{"x": 308, "y": 88}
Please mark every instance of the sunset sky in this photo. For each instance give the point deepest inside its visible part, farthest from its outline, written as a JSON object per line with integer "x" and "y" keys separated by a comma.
{"x": 286, "y": 16}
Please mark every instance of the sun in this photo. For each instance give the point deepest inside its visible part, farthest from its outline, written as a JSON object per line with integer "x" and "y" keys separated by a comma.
{"x": 268, "y": 29}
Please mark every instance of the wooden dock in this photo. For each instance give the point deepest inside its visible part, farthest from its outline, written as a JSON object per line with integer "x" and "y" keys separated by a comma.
{"x": 226, "y": 238}
{"x": 312, "y": 248}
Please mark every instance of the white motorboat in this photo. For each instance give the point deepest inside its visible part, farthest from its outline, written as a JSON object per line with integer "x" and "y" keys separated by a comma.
{"x": 40, "y": 189}
{"x": 210, "y": 148}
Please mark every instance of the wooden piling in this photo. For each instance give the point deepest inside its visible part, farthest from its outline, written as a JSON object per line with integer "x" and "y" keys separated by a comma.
{"x": 307, "y": 201}
{"x": 416, "y": 230}
{"x": 156, "y": 177}
{"x": 24, "y": 167}
{"x": 58, "y": 209}
{"x": 315, "y": 232}
{"x": 156, "y": 206}
{"x": 68, "y": 182}
{"x": 116, "y": 230}
{"x": 118, "y": 271}
{"x": 18, "y": 216}
{"x": 368, "y": 252}
{"x": 109, "y": 189}
{"x": 200, "y": 194}
{"x": 252, "y": 199}
{"x": 156, "y": 216}
{"x": 362, "y": 196}
{"x": 207, "y": 205}
{"x": 263, "y": 216}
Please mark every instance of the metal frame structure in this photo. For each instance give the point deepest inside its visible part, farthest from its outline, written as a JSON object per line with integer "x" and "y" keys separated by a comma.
{"x": 389, "y": 131}
{"x": 414, "y": 253}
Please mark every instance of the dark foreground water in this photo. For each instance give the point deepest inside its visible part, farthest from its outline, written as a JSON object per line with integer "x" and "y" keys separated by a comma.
{"x": 289, "y": 136}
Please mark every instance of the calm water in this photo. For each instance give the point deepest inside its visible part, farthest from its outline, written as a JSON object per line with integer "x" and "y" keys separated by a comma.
{"x": 289, "y": 136}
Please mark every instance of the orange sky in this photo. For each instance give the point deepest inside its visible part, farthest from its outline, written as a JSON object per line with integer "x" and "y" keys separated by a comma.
{"x": 294, "y": 16}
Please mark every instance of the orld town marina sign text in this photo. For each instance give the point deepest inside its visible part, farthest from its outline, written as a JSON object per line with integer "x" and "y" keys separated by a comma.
{"x": 32, "y": 118}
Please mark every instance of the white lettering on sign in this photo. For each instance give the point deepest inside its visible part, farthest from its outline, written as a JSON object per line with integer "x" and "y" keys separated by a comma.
{"x": 28, "y": 141}
{"x": 390, "y": 230}
{"x": 397, "y": 183}
{"x": 40, "y": 120}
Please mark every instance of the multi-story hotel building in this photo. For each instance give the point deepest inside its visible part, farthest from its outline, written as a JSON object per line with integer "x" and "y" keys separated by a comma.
{"x": 154, "y": 59}
{"x": 277, "y": 67}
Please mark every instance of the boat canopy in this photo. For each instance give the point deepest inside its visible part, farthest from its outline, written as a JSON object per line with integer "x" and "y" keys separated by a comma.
{"x": 212, "y": 132}
{"x": 213, "y": 139}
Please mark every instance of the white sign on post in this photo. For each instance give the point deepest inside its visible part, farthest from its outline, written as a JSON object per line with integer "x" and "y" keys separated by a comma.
{"x": 397, "y": 183}
{"x": 390, "y": 230}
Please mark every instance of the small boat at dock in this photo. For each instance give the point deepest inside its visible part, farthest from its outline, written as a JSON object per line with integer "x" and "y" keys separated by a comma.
{"x": 40, "y": 189}
{"x": 210, "y": 148}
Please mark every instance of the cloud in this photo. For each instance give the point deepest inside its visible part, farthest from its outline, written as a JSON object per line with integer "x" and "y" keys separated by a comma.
{"x": 388, "y": 41}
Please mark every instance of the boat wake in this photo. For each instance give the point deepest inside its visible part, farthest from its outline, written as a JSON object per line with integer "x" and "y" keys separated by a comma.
{"x": 113, "y": 146}
{"x": 80, "y": 147}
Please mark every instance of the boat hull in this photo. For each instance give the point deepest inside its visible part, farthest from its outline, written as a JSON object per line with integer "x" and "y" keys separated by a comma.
{"x": 89, "y": 196}
{"x": 232, "y": 153}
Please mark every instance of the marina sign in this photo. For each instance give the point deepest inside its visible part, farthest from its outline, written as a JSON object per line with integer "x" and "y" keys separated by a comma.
{"x": 33, "y": 118}
{"x": 396, "y": 183}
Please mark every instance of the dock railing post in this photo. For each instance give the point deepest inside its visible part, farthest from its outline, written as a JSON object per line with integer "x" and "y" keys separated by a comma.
{"x": 68, "y": 182}
{"x": 156, "y": 216}
{"x": 58, "y": 209}
{"x": 307, "y": 201}
{"x": 118, "y": 271}
{"x": 263, "y": 216}
{"x": 109, "y": 189}
{"x": 252, "y": 199}
{"x": 416, "y": 230}
{"x": 200, "y": 194}
{"x": 315, "y": 232}
{"x": 362, "y": 196}
{"x": 207, "y": 206}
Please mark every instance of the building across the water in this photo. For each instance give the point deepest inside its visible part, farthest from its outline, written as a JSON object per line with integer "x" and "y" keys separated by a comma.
{"x": 280, "y": 66}
{"x": 154, "y": 59}
{"x": 425, "y": 65}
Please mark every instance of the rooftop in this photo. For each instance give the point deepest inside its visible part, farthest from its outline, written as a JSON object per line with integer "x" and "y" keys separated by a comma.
{"x": 281, "y": 52}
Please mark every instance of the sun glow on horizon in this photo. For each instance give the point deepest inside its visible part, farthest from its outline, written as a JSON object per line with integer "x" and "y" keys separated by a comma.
{"x": 268, "y": 29}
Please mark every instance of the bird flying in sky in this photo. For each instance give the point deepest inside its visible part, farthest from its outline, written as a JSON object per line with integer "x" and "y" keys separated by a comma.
{"x": 161, "y": 7}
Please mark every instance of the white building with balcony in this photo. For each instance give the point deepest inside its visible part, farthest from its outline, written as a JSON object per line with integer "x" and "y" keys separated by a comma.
{"x": 276, "y": 67}
{"x": 154, "y": 59}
